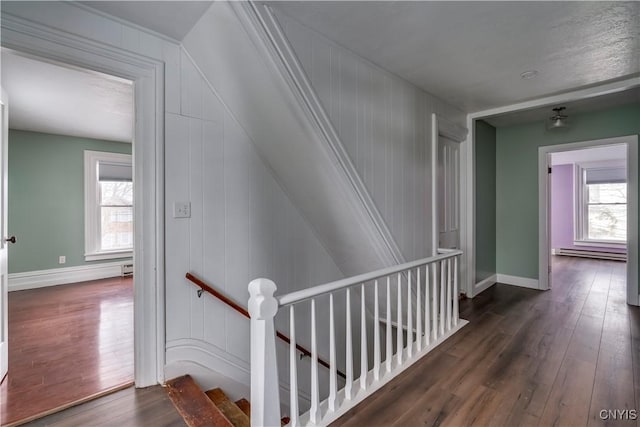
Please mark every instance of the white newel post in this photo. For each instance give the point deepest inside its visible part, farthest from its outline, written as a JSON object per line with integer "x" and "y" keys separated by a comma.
{"x": 265, "y": 391}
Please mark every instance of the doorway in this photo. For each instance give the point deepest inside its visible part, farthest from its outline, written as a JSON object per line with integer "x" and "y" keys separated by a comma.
{"x": 588, "y": 198}
{"x": 149, "y": 82}
{"x": 71, "y": 315}
{"x": 448, "y": 193}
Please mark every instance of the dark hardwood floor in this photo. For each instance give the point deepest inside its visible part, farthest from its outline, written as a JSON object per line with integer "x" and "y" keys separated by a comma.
{"x": 67, "y": 343}
{"x": 527, "y": 358}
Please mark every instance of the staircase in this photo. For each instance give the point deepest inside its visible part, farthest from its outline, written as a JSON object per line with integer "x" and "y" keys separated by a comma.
{"x": 208, "y": 409}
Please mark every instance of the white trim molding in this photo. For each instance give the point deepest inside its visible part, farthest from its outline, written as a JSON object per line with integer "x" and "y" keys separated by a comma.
{"x": 440, "y": 126}
{"x": 485, "y": 284}
{"x": 631, "y": 142}
{"x": 63, "y": 276}
{"x": 50, "y": 42}
{"x": 523, "y": 282}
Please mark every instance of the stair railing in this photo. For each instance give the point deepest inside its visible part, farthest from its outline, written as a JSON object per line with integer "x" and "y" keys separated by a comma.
{"x": 204, "y": 287}
{"x": 436, "y": 319}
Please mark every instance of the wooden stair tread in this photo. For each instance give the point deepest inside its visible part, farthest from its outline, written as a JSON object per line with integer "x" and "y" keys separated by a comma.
{"x": 194, "y": 405}
{"x": 237, "y": 417}
{"x": 244, "y": 406}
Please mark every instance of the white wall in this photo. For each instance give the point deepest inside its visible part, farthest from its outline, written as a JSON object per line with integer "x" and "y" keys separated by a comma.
{"x": 242, "y": 226}
{"x": 384, "y": 123}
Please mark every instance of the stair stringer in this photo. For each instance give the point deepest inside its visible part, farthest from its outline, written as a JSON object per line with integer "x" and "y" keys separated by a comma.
{"x": 265, "y": 32}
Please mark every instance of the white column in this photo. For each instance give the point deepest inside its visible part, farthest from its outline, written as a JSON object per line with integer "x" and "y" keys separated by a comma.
{"x": 265, "y": 393}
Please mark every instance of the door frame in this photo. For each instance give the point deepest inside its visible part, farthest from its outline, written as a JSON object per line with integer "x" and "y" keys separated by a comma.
{"x": 148, "y": 156}
{"x": 440, "y": 126}
{"x": 631, "y": 142}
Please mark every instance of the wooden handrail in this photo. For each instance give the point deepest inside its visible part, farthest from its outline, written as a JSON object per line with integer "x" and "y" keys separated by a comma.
{"x": 240, "y": 309}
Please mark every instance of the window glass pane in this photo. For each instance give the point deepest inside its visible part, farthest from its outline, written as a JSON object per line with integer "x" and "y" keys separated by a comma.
{"x": 119, "y": 193}
{"x": 607, "y": 193}
{"x": 116, "y": 230}
{"x": 607, "y": 222}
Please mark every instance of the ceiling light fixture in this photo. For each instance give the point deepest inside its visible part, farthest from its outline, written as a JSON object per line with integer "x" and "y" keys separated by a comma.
{"x": 528, "y": 75}
{"x": 558, "y": 120}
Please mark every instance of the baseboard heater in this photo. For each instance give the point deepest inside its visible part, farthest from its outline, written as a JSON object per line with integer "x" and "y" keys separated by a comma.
{"x": 127, "y": 270}
{"x": 591, "y": 254}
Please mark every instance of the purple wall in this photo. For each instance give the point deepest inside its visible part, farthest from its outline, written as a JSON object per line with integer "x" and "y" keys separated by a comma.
{"x": 562, "y": 211}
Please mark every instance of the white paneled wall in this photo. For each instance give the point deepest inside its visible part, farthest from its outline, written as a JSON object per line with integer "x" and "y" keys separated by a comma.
{"x": 242, "y": 226}
{"x": 384, "y": 123}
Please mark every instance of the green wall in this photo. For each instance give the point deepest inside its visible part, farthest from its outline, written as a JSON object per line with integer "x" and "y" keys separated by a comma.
{"x": 46, "y": 198}
{"x": 485, "y": 181}
{"x": 517, "y": 179}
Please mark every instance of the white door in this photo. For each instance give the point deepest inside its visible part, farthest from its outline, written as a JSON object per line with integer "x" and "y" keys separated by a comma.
{"x": 4, "y": 327}
{"x": 448, "y": 193}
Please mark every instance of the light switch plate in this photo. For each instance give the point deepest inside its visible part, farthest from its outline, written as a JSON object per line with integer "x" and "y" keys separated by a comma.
{"x": 182, "y": 210}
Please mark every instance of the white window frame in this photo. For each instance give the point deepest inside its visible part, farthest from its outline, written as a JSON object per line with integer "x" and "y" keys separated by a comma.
{"x": 92, "y": 205}
{"x": 581, "y": 205}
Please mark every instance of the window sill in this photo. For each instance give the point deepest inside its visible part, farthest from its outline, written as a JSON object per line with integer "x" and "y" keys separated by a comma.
{"x": 98, "y": 256}
{"x": 601, "y": 243}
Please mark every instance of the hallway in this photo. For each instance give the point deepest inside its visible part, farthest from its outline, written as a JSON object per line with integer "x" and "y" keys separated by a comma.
{"x": 526, "y": 358}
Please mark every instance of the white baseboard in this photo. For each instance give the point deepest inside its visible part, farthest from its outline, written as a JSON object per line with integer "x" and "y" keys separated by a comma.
{"x": 484, "y": 284}
{"x": 523, "y": 282}
{"x": 62, "y": 276}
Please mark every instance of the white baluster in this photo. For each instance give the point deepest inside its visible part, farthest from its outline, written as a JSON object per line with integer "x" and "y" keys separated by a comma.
{"x": 427, "y": 305}
{"x": 364, "y": 364}
{"x": 348, "y": 385}
{"x": 434, "y": 310}
{"x": 409, "y": 318}
{"x": 456, "y": 308}
{"x": 442, "y": 291}
{"x": 314, "y": 411}
{"x": 418, "y": 311}
{"x": 399, "y": 331}
{"x": 333, "y": 369}
{"x": 389, "y": 331}
{"x": 376, "y": 333}
{"x": 265, "y": 391}
{"x": 293, "y": 369}
{"x": 449, "y": 300}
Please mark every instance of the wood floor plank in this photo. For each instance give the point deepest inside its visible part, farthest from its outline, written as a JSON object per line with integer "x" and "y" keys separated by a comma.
{"x": 130, "y": 407}
{"x": 67, "y": 343}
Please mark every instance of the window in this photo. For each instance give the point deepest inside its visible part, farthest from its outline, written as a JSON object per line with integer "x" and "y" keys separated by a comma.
{"x": 602, "y": 203}
{"x": 108, "y": 205}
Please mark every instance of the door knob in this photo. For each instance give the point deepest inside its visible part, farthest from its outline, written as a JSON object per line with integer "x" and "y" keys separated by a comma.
{"x": 11, "y": 239}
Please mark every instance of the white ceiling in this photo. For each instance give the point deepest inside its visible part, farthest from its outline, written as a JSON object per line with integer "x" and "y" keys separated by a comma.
{"x": 171, "y": 18}
{"x": 610, "y": 152}
{"x": 50, "y": 98}
{"x": 471, "y": 54}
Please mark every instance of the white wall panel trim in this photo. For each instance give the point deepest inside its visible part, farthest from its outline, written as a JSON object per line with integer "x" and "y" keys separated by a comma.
{"x": 485, "y": 284}
{"x": 217, "y": 361}
{"x": 523, "y": 282}
{"x": 65, "y": 275}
